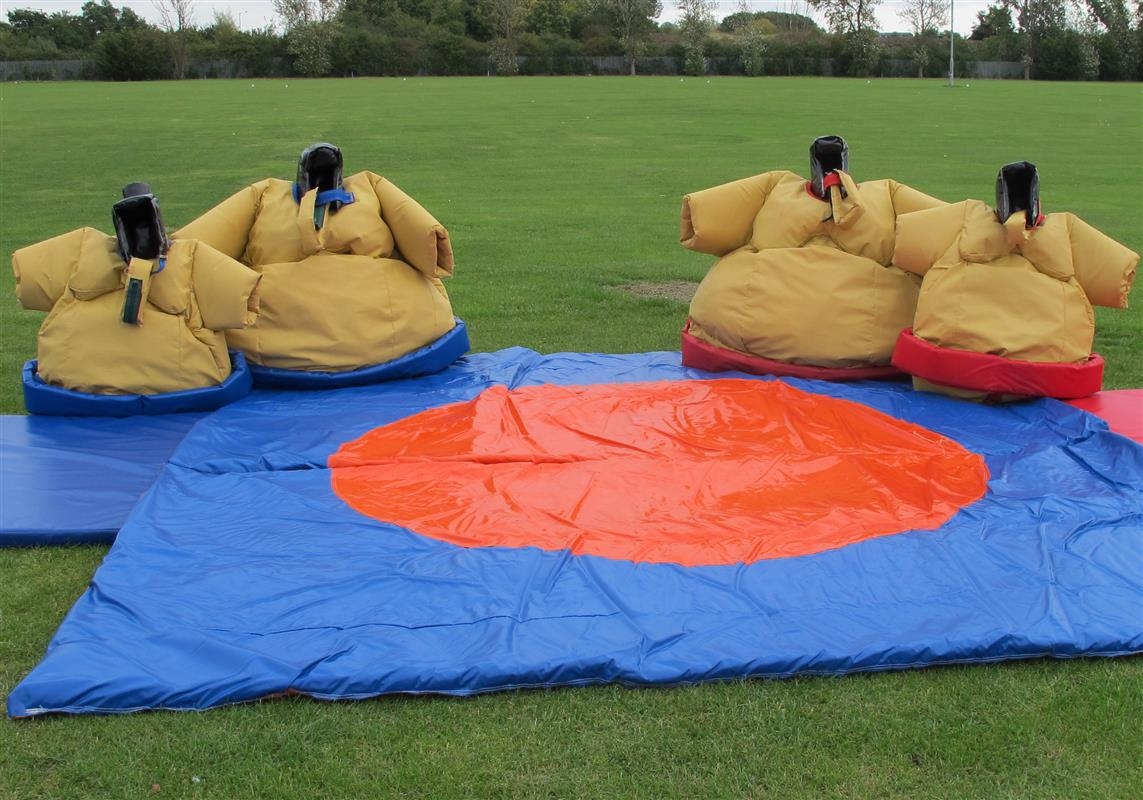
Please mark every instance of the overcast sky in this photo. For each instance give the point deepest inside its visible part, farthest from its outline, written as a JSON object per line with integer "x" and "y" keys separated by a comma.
{"x": 251, "y": 14}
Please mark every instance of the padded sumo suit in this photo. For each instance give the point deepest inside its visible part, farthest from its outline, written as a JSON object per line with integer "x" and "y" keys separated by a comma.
{"x": 1005, "y": 306}
{"x": 804, "y": 285}
{"x": 133, "y": 313}
{"x": 350, "y": 269}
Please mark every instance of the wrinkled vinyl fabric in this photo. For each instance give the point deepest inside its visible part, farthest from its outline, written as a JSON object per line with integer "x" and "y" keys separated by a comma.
{"x": 244, "y": 573}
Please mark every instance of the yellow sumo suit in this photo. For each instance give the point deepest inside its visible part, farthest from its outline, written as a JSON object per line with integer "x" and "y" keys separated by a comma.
{"x": 132, "y": 314}
{"x": 804, "y": 285}
{"x": 351, "y": 271}
{"x": 1005, "y": 309}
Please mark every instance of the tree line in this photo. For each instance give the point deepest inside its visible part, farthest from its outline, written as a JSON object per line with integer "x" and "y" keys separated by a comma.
{"x": 1051, "y": 39}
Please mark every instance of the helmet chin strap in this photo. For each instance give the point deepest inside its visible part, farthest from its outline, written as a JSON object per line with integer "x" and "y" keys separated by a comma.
{"x": 832, "y": 193}
{"x": 331, "y": 199}
{"x": 142, "y": 241}
{"x": 138, "y": 285}
{"x": 844, "y": 204}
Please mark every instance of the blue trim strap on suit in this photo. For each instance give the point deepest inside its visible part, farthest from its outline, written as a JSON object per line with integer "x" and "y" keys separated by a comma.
{"x": 41, "y": 397}
{"x": 342, "y": 197}
{"x": 431, "y": 358}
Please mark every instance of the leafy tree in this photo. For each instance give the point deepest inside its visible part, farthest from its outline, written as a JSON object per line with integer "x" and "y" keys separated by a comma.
{"x": 364, "y": 50}
{"x": 68, "y": 32}
{"x": 549, "y": 16}
{"x": 30, "y": 23}
{"x": 102, "y": 17}
{"x": 134, "y": 54}
{"x": 15, "y": 47}
{"x": 695, "y": 23}
{"x": 1039, "y": 16}
{"x": 634, "y": 19}
{"x": 176, "y": 16}
{"x": 860, "y": 53}
{"x": 452, "y": 53}
{"x": 791, "y": 23}
{"x": 742, "y": 18}
{"x": 1088, "y": 28}
{"x": 848, "y": 16}
{"x": 61, "y": 29}
{"x": 1037, "y": 19}
{"x": 310, "y": 28}
{"x": 1119, "y": 50}
{"x": 256, "y": 53}
{"x": 506, "y": 18}
{"x": 751, "y": 30}
{"x": 925, "y": 16}
{"x": 996, "y": 20}
{"x": 1065, "y": 55}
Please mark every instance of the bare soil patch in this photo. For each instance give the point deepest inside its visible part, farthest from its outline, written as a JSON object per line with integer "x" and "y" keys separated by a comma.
{"x": 679, "y": 291}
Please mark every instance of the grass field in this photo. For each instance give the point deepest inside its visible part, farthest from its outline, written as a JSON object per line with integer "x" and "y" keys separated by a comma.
{"x": 557, "y": 192}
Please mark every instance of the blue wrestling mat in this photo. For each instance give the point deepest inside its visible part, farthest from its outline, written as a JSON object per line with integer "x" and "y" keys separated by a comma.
{"x": 74, "y": 480}
{"x": 246, "y": 573}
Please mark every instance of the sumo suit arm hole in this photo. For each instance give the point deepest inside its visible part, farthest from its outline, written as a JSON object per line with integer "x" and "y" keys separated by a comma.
{"x": 226, "y": 290}
{"x": 718, "y": 220}
{"x": 1103, "y": 267}
{"x": 226, "y": 227}
{"x": 43, "y": 270}
{"x": 422, "y": 241}
{"x": 924, "y": 236}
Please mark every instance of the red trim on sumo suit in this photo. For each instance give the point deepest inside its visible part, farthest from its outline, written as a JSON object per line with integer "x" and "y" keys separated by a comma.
{"x": 831, "y": 179}
{"x": 963, "y": 369}
{"x": 709, "y": 357}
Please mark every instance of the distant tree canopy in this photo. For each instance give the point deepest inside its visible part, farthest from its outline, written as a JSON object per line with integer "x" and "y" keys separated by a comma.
{"x": 1064, "y": 39}
{"x": 66, "y": 34}
{"x": 993, "y": 21}
{"x": 848, "y": 16}
{"x": 1052, "y": 39}
{"x": 780, "y": 22}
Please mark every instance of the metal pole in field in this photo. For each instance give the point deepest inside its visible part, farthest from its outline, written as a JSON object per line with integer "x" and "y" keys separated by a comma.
{"x": 952, "y": 67}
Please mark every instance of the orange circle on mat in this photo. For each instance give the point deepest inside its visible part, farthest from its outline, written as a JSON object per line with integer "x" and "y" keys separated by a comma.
{"x": 695, "y": 473}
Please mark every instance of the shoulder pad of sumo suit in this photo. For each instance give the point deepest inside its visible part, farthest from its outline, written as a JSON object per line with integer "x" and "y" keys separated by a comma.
{"x": 718, "y": 220}
{"x": 44, "y": 271}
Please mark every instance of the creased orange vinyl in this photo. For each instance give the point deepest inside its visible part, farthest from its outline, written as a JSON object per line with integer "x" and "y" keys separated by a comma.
{"x": 712, "y": 472}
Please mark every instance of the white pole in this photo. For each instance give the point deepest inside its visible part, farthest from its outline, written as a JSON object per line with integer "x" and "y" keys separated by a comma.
{"x": 952, "y": 67}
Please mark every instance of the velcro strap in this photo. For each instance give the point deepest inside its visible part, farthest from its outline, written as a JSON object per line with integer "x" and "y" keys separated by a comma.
{"x": 138, "y": 285}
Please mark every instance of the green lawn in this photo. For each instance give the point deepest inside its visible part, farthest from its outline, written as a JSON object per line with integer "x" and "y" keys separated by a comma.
{"x": 556, "y": 192}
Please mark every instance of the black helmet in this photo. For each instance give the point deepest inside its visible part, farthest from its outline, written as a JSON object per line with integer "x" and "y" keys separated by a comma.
{"x": 827, "y": 154}
{"x": 1018, "y": 189}
{"x": 319, "y": 167}
{"x": 139, "y": 226}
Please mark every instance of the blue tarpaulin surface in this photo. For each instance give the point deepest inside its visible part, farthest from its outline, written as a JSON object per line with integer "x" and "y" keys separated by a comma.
{"x": 243, "y": 575}
{"x": 74, "y": 480}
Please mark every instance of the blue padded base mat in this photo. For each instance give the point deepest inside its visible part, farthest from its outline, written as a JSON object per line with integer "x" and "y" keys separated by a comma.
{"x": 74, "y": 480}
{"x": 242, "y": 574}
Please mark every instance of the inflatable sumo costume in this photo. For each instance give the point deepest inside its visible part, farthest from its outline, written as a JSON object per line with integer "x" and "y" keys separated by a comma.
{"x": 135, "y": 320}
{"x": 351, "y": 277}
{"x": 1005, "y": 309}
{"x": 804, "y": 285}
